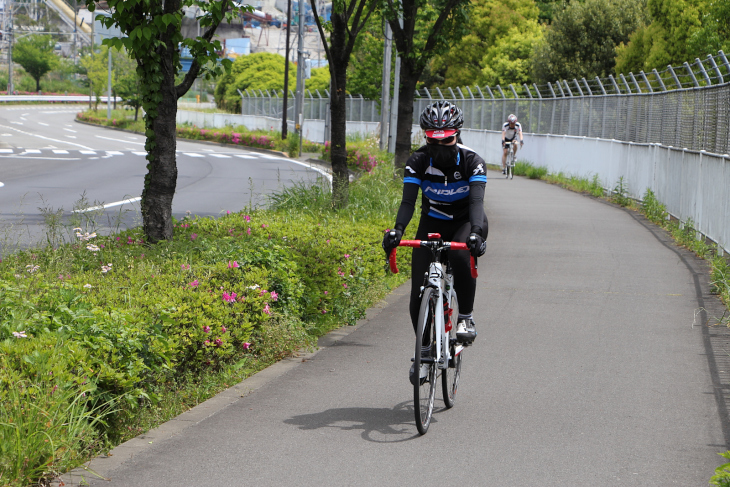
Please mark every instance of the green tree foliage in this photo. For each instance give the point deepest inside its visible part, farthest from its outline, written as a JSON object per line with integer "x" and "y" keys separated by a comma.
{"x": 261, "y": 71}
{"x": 498, "y": 47}
{"x": 582, "y": 40}
{"x": 97, "y": 71}
{"x": 680, "y": 30}
{"x": 35, "y": 54}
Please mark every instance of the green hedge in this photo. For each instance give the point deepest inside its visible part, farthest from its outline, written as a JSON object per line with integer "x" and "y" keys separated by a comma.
{"x": 105, "y": 323}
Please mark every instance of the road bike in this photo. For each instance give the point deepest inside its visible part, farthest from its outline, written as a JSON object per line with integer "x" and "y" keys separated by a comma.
{"x": 510, "y": 169}
{"x": 437, "y": 348}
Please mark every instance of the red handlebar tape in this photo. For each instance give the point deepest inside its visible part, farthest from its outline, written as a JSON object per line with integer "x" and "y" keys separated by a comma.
{"x": 417, "y": 243}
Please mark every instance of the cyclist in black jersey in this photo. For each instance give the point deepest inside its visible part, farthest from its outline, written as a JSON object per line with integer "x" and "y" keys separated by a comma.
{"x": 452, "y": 179}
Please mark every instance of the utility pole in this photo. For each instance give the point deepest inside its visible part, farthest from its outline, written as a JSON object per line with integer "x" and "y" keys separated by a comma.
{"x": 109, "y": 86}
{"x": 385, "y": 93}
{"x": 11, "y": 88}
{"x": 300, "y": 72}
{"x": 394, "y": 105}
{"x": 286, "y": 73}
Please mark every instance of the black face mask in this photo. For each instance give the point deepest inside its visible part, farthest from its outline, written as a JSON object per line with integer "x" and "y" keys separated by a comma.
{"x": 443, "y": 155}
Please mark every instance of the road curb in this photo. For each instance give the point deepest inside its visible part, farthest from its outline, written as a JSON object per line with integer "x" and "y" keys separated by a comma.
{"x": 103, "y": 465}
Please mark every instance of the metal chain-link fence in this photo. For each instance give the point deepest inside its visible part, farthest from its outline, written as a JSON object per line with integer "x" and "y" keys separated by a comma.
{"x": 686, "y": 106}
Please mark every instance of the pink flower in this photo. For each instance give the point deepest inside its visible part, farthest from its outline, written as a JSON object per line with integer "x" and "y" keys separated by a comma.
{"x": 194, "y": 283}
{"x": 267, "y": 310}
{"x": 246, "y": 346}
{"x": 344, "y": 284}
{"x": 347, "y": 256}
{"x": 207, "y": 342}
{"x": 274, "y": 296}
{"x": 193, "y": 236}
{"x": 328, "y": 240}
{"x": 232, "y": 265}
{"x": 185, "y": 267}
{"x": 218, "y": 342}
{"x": 248, "y": 232}
{"x": 223, "y": 329}
{"x": 264, "y": 225}
{"x": 60, "y": 276}
{"x": 229, "y": 298}
{"x": 247, "y": 218}
{"x": 206, "y": 329}
{"x": 228, "y": 212}
{"x": 325, "y": 293}
{"x": 324, "y": 311}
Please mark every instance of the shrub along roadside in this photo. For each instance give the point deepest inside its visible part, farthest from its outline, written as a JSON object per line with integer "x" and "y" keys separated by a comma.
{"x": 117, "y": 335}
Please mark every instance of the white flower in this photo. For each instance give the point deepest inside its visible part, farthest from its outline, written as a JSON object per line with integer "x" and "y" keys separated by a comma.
{"x": 20, "y": 334}
{"x": 32, "y": 268}
{"x": 255, "y": 286}
{"x": 106, "y": 268}
{"x": 92, "y": 247}
{"x": 88, "y": 286}
{"x": 84, "y": 236}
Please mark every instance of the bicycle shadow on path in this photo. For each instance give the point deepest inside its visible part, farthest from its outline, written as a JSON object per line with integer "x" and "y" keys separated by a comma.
{"x": 378, "y": 425}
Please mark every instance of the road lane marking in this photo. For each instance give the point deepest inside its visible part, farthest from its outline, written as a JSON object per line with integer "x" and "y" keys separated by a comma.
{"x": 60, "y": 151}
{"x": 69, "y": 130}
{"x": 109, "y": 205}
{"x": 114, "y": 153}
{"x": 44, "y": 124}
{"x": 44, "y": 137}
{"x": 118, "y": 140}
{"x": 6, "y": 151}
{"x": 17, "y": 123}
{"x": 220, "y": 156}
{"x": 31, "y": 151}
{"x": 246, "y": 156}
{"x": 88, "y": 152}
{"x": 193, "y": 154}
{"x": 137, "y": 153}
{"x": 71, "y": 136}
{"x": 1, "y": 185}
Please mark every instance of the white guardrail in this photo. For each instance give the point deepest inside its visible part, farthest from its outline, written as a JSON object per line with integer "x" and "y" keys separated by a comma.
{"x": 53, "y": 98}
{"x": 692, "y": 184}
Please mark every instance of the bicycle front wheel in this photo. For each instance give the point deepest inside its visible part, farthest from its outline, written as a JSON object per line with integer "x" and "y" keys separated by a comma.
{"x": 424, "y": 390}
{"x": 450, "y": 376}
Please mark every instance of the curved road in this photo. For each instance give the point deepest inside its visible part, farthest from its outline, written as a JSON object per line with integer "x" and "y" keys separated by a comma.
{"x": 48, "y": 160}
{"x": 594, "y": 366}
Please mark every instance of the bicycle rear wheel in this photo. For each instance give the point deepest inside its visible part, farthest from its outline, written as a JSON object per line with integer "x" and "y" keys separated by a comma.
{"x": 424, "y": 391}
{"x": 450, "y": 376}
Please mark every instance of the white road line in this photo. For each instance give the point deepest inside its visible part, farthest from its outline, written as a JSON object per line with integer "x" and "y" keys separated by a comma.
{"x": 31, "y": 151}
{"x": 17, "y": 123}
{"x": 220, "y": 156}
{"x": 70, "y": 130}
{"x": 119, "y": 140}
{"x": 193, "y": 154}
{"x": 88, "y": 152}
{"x": 109, "y": 205}
{"x": 1, "y": 185}
{"x": 244, "y": 156}
{"x": 114, "y": 153}
{"x": 60, "y": 151}
{"x": 136, "y": 153}
{"x": 44, "y": 124}
{"x": 6, "y": 151}
{"x": 71, "y": 136}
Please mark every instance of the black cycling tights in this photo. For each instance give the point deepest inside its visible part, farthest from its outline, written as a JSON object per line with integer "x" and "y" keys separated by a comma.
{"x": 464, "y": 284}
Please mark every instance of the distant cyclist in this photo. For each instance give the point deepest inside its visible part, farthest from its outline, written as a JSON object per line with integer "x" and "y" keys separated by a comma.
{"x": 510, "y": 130}
{"x": 452, "y": 178}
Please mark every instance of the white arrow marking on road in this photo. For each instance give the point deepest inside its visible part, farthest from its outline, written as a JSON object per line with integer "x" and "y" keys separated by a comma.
{"x": 109, "y": 205}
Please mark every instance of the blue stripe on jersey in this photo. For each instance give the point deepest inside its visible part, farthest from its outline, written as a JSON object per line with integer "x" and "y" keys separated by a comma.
{"x": 437, "y": 215}
{"x": 445, "y": 192}
{"x": 478, "y": 178}
{"x": 412, "y": 180}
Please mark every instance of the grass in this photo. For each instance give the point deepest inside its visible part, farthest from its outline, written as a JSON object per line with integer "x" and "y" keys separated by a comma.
{"x": 103, "y": 337}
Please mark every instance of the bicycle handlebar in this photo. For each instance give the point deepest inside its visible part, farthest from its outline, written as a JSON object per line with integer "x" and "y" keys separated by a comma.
{"x": 418, "y": 243}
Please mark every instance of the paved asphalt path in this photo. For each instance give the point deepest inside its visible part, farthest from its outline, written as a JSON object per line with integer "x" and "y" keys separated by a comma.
{"x": 592, "y": 367}
{"x": 48, "y": 160}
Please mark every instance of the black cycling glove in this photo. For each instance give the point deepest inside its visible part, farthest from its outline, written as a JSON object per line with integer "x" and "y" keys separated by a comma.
{"x": 503, "y": 143}
{"x": 391, "y": 239}
{"x": 522, "y": 142}
{"x": 477, "y": 245}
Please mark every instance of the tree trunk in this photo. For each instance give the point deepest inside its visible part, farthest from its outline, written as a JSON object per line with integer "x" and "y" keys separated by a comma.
{"x": 408, "y": 79}
{"x": 338, "y": 111}
{"x": 161, "y": 180}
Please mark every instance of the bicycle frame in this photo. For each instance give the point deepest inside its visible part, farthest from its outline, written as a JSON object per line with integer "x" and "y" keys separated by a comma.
{"x": 440, "y": 279}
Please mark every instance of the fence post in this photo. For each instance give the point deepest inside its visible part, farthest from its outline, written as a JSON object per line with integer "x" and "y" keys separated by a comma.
{"x": 539, "y": 107}
{"x": 588, "y": 88}
{"x": 626, "y": 83}
{"x": 646, "y": 81}
{"x": 491, "y": 111}
{"x": 441, "y": 95}
{"x": 724, "y": 60}
{"x": 674, "y": 76}
{"x": 600, "y": 85}
{"x": 704, "y": 73}
{"x": 636, "y": 83}
{"x": 537, "y": 90}
{"x": 691, "y": 74}
{"x": 575, "y": 81}
{"x": 552, "y": 91}
{"x": 239, "y": 92}
{"x": 453, "y": 96}
{"x": 590, "y": 106}
{"x": 428, "y": 93}
{"x": 659, "y": 78}
{"x": 615, "y": 85}
{"x": 715, "y": 68}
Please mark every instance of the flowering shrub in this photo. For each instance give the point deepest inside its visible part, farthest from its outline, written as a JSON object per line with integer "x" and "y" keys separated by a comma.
{"x": 360, "y": 157}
